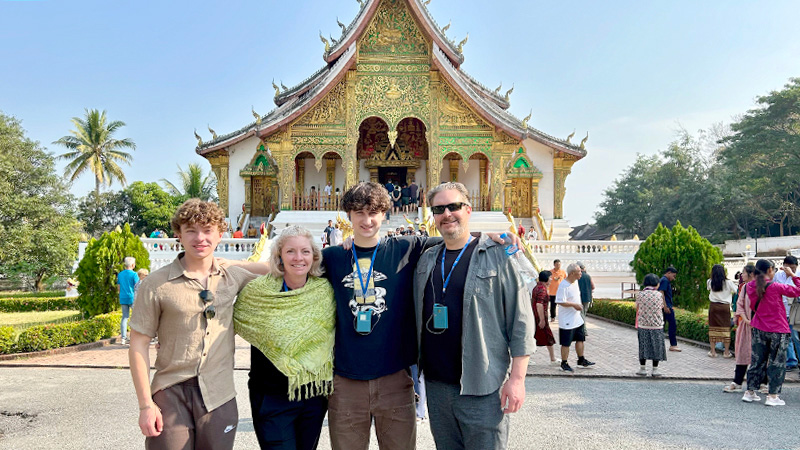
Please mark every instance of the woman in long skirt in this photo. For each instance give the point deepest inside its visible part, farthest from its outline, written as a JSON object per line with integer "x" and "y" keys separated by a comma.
{"x": 650, "y": 304}
{"x": 744, "y": 314}
{"x": 720, "y": 295}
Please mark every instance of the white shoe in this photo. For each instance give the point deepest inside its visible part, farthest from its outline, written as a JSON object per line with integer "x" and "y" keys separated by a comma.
{"x": 774, "y": 401}
{"x": 750, "y": 397}
{"x": 642, "y": 372}
{"x": 733, "y": 387}
{"x": 655, "y": 373}
{"x": 556, "y": 362}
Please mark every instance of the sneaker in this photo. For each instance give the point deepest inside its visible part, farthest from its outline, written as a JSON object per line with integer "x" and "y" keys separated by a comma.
{"x": 655, "y": 373}
{"x": 565, "y": 367}
{"x": 585, "y": 363}
{"x": 642, "y": 372}
{"x": 750, "y": 397}
{"x": 733, "y": 387}
{"x": 555, "y": 362}
{"x": 675, "y": 349}
{"x": 774, "y": 401}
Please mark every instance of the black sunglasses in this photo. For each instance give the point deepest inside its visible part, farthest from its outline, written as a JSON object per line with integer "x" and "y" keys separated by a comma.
{"x": 207, "y": 297}
{"x": 453, "y": 207}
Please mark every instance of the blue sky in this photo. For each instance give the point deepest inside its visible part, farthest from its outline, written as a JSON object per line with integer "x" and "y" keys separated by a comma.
{"x": 628, "y": 72}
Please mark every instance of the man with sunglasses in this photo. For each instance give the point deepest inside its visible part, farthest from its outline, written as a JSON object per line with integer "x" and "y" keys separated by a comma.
{"x": 474, "y": 322}
{"x": 191, "y": 402}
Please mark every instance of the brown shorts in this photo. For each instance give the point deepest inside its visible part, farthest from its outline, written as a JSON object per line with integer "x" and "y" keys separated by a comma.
{"x": 187, "y": 423}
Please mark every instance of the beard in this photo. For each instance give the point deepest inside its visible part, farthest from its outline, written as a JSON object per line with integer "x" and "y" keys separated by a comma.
{"x": 454, "y": 231}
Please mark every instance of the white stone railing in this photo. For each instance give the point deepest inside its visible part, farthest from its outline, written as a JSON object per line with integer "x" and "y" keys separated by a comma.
{"x": 733, "y": 265}
{"x": 572, "y": 247}
{"x": 597, "y": 256}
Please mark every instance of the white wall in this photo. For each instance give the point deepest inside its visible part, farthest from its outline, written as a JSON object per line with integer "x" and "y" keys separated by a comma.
{"x": 312, "y": 177}
{"x": 542, "y": 157}
{"x": 240, "y": 156}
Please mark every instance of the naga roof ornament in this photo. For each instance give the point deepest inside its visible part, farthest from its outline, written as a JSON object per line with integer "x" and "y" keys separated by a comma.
{"x": 497, "y": 90}
{"x": 213, "y": 133}
{"x": 508, "y": 92}
{"x": 570, "y": 136}
{"x": 325, "y": 41}
{"x": 526, "y": 119}
{"x": 277, "y": 89}
{"x": 583, "y": 141}
{"x": 341, "y": 25}
{"x": 426, "y": 2}
{"x": 256, "y": 115}
{"x": 446, "y": 27}
{"x": 199, "y": 139}
{"x": 462, "y": 43}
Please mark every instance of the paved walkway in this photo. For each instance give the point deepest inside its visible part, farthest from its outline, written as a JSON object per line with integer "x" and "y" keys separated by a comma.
{"x": 613, "y": 347}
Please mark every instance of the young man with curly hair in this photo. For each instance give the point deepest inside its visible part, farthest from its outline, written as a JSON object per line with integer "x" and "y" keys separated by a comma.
{"x": 191, "y": 402}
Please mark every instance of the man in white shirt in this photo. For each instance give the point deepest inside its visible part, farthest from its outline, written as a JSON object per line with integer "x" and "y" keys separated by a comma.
{"x": 570, "y": 322}
{"x": 327, "y": 190}
{"x": 794, "y": 345}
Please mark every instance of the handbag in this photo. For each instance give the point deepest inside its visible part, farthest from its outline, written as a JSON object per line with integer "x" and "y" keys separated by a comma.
{"x": 794, "y": 312}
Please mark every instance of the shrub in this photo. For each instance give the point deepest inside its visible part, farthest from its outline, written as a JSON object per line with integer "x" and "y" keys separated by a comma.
{"x": 691, "y": 254}
{"x": 12, "y": 305}
{"x": 6, "y": 340}
{"x": 97, "y": 271}
{"x": 43, "y": 294}
{"x": 690, "y": 325}
{"x": 45, "y": 337}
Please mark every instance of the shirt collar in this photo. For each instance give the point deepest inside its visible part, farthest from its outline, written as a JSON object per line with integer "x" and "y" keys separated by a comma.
{"x": 177, "y": 269}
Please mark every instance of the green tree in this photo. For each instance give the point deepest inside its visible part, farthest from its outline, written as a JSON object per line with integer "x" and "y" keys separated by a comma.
{"x": 193, "y": 184}
{"x": 150, "y": 207}
{"x": 630, "y": 199}
{"x": 99, "y": 216}
{"x": 691, "y": 254}
{"x": 92, "y": 147}
{"x": 40, "y": 233}
{"x": 764, "y": 150}
{"x": 102, "y": 261}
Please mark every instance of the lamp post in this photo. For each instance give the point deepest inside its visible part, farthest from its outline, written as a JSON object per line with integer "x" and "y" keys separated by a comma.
{"x": 755, "y": 235}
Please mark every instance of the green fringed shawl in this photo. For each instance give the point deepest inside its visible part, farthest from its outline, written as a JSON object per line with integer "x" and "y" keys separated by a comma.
{"x": 293, "y": 329}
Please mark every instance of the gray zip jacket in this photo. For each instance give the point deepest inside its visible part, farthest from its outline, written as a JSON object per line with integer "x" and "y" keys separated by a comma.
{"x": 497, "y": 317}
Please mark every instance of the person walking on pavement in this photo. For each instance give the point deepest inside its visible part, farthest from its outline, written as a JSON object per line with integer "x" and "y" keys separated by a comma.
{"x": 650, "y": 305}
{"x": 792, "y": 356}
{"x": 540, "y": 301}
{"x": 720, "y": 295}
{"x": 743, "y": 316}
{"x": 570, "y": 322}
{"x": 665, "y": 286}
{"x": 586, "y": 286}
{"x": 127, "y": 280}
{"x": 770, "y": 331}
{"x": 472, "y": 328}
{"x": 557, "y": 275}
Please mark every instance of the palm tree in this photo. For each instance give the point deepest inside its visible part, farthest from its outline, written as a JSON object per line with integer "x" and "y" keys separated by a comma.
{"x": 93, "y": 147}
{"x": 194, "y": 183}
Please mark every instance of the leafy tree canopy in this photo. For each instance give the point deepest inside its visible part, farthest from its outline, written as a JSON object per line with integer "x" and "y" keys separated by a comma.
{"x": 193, "y": 184}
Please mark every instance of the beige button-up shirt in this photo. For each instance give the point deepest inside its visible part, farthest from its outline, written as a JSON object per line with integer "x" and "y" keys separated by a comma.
{"x": 168, "y": 304}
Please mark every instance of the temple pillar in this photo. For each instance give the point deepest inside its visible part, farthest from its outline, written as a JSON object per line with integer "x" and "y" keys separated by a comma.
{"x": 373, "y": 174}
{"x": 350, "y": 156}
{"x": 535, "y": 194}
{"x": 219, "y": 165}
{"x": 301, "y": 175}
{"x": 454, "y": 170}
{"x": 330, "y": 171}
{"x": 484, "y": 185}
{"x": 562, "y": 167}
{"x": 283, "y": 155}
{"x": 248, "y": 194}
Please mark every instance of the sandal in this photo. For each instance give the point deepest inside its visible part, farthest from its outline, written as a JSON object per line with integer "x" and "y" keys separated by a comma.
{"x": 727, "y": 355}
{"x": 733, "y": 387}
{"x": 712, "y": 355}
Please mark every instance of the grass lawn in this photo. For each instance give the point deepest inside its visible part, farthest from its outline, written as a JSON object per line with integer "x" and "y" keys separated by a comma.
{"x": 22, "y": 320}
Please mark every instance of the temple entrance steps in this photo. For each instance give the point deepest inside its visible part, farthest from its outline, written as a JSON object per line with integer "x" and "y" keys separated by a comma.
{"x": 560, "y": 227}
{"x": 315, "y": 221}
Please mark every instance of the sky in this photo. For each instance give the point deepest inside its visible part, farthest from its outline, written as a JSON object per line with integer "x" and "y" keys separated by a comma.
{"x": 631, "y": 73}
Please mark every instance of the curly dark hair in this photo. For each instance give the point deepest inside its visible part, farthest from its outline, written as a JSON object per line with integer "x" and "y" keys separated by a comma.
{"x": 366, "y": 195}
{"x": 196, "y": 211}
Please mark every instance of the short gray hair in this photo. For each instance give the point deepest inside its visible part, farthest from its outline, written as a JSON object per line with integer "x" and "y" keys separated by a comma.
{"x": 580, "y": 264}
{"x": 275, "y": 262}
{"x": 129, "y": 261}
{"x": 454, "y": 185}
{"x": 574, "y": 267}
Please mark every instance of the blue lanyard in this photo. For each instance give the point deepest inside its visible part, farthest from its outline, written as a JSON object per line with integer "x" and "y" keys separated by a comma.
{"x": 446, "y": 281}
{"x": 358, "y": 269}
{"x": 285, "y": 287}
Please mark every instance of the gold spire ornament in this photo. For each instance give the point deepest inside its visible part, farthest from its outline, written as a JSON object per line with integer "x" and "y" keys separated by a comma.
{"x": 277, "y": 89}
{"x": 199, "y": 139}
{"x": 508, "y": 92}
{"x": 446, "y": 27}
{"x": 360, "y": 3}
{"x": 462, "y": 44}
{"x": 570, "y": 136}
{"x": 426, "y": 2}
{"x": 256, "y": 115}
{"x": 213, "y": 133}
{"x": 284, "y": 87}
{"x": 497, "y": 90}
{"x": 341, "y": 25}
{"x": 583, "y": 141}
{"x": 526, "y": 119}
{"x": 325, "y": 41}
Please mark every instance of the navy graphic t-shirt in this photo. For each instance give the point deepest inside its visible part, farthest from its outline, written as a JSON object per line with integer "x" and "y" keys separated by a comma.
{"x": 392, "y": 344}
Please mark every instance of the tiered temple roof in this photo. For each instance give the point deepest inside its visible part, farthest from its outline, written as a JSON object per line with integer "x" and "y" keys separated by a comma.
{"x": 341, "y": 56}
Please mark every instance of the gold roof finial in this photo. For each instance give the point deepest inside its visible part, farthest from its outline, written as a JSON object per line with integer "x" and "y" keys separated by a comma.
{"x": 583, "y": 141}
{"x": 284, "y": 87}
{"x": 526, "y": 119}
{"x": 462, "y": 43}
{"x": 570, "y": 136}
{"x": 446, "y": 27}
{"x": 426, "y": 2}
{"x": 497, "y": 91}
{"x": 256, "y": 115}
{"x": 325, "y": 41}
{"x": 277, "y": 89}
{"x": 508, "y": 92}
{"x": 199, "y": 139}
{"x": 213, "y": 133}
{"x": 360, "y": 3}
{"x": 341, "y": 25}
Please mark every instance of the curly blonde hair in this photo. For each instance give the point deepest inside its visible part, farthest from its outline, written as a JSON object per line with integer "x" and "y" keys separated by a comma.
{"x": 197, "y": 212}
{"x": 275, "y": 261}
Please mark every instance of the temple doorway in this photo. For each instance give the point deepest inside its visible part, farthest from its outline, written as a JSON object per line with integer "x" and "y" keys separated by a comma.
{"x": 398, "y": 175}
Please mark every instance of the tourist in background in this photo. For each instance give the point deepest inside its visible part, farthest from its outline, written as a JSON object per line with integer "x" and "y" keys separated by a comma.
{"x": 413, "y": 190}
{"x": 405, "y": 193}
{"x": 557, "y": 275}
{"x": 720, "y": 295}
{"x": 650, "y": 306}
{"x": 570, "y": 322}
{"x": 742, "y": 318}
{"x": 665, "y": 286}
{"x": 397, "y": 199}
{"x": 127, "y": 281}
{"x": 770, "y": 336}
{"x": 586, "y": 286}
{"x": 794, "y": 345}
{"x": 336, "y": 236}
{"x": 540, "y": 301}
{"x": 238, "y": 233}
{"x": 288, "y": 317}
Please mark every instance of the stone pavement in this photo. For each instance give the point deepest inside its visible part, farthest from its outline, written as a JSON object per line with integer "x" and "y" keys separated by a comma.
{"x": 613, "y": 347}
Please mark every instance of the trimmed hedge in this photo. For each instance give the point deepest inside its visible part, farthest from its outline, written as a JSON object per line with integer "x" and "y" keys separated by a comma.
{"x": 45, "y": 337}
{"x": 27, "y": 304}
{"x": 6, "y": 340}
{"x": 42, "y": 294}
{"x": 690, "y": 325}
